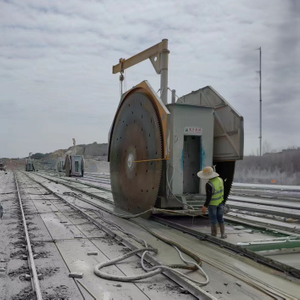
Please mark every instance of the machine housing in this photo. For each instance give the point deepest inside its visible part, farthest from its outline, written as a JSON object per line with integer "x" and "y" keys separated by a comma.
{"x": 29, "y": 166}
{"x": 74, "y": 165}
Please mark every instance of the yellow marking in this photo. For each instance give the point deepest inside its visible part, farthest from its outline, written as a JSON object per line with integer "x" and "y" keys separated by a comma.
{"x": 154, "y": 159}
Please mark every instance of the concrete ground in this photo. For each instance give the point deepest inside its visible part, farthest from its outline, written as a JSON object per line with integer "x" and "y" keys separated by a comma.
{"x": 62, "y": 239}
{"x": 246, "y": 278}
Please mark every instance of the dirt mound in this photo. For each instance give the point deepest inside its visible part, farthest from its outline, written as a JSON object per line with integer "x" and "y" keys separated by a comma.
{"x": 95, "y": 156}
{"x": 95, "y": 166}
{"x": 15, "y": 164}
{"x": 56, "y": 154}
{"x": 95, "y": 149}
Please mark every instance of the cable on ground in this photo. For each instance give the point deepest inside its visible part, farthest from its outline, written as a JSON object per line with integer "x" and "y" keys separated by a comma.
{"x": 169, "y": 186}
{"x": 156, "y": 269}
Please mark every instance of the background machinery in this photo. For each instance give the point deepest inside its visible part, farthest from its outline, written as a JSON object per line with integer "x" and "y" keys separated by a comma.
{"x": 2, "y": 166}
{"x": 156, "y": 148}
{"x": 29, "y": 166}
{"x": 60, "y": 164}
{"x": 74, "y": 164}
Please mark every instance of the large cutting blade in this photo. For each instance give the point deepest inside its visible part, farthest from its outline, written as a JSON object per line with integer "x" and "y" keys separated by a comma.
{"x": 136, "y": 136}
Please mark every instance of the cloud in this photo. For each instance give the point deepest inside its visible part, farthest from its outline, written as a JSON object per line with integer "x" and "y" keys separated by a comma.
{"x": 56, "y": 59}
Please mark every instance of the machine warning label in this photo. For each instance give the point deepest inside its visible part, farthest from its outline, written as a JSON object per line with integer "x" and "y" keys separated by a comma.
{"x": 191, "y": 130}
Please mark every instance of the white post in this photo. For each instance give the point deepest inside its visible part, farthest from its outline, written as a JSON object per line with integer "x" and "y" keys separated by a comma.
{"x": 173, "y": 96}
{"x": 260, "y": 106}
{"x": 164, "y": 72}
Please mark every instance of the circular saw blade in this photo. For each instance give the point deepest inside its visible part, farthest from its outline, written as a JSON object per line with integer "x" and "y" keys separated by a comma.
{"x": 136, "y": 136}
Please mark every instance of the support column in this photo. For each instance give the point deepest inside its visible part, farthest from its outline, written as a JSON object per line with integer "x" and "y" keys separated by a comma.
{"x": 164, "y": 72}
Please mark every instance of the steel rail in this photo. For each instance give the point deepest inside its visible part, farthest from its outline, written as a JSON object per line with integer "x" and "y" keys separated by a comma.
{"x": 266, "y": 186}
{"x": 93, "y": 180}
{"x": 259, "y": 198}
{"x": 265, "y": 209}
{"x": 73, "y": 181}
{"x": 171, "y": 275}
{"x": 277, "y": 203}
{"x": 237, "y": 249}
{"x": 96, "y": 177}
{"x": 268, "y": 202}
{"x": 36, "y": 284}
{"x": 232, "y": 200}
{"x": 107, "y": 179}
{"x": 267, "y": 194}
{"x": 187, "y": 285}
{"x": 203, "y": 236}
{"x": 263, "y": 225}
{"x": 80, "y": 180}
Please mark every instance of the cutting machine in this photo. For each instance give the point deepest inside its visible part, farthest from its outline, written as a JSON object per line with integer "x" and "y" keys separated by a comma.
{"x": 156, "y": 148}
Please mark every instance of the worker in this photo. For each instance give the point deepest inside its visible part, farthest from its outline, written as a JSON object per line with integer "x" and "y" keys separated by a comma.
{"x": 214, "y": 200}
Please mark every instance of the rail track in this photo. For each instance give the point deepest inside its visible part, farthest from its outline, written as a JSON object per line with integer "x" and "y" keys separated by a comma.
{"x": 166, "y": 288}
{"x": 22, "y": 245}
{"x": 269, "y": 219}
{"x": 82, "y": 234}
{"x": 33, "y": 271}
{"x": 26, "y": 260}
{"x": 272, "y": 207}
{"x": 74, "y": 184}
{"x": 271, "y": 224}
{"x": 97, "y": 197}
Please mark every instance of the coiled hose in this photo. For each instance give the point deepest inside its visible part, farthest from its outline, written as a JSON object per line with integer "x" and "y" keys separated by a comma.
{"x": 189, "y": 265}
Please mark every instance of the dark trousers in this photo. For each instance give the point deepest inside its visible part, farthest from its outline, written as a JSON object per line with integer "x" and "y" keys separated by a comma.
{"x": 216, "y": 214}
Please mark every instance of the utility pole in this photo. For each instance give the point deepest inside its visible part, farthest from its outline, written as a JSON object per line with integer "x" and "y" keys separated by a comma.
{"x": 260, "y": 104}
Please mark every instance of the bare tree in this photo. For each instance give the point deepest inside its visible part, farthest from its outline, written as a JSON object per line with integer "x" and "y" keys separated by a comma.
{"x": 267, "y": 148}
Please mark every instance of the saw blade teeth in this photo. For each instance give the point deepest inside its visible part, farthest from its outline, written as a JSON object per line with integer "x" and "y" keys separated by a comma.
{"x": 135, "y": 186}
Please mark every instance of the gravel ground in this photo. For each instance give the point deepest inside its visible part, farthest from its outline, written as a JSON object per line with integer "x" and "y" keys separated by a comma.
{"x": 15, "y": 283}
{"x": 62, "y": 239}
{"x": 60, "y": 248}
{"x": 92, "y": 165}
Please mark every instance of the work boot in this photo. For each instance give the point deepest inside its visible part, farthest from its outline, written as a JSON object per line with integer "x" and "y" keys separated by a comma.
{"x": 222, "y": 228}
{"x": 214, "y": 230}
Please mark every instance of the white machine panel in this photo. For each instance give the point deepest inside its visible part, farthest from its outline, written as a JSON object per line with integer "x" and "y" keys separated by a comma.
{"x": 190, "y": 146}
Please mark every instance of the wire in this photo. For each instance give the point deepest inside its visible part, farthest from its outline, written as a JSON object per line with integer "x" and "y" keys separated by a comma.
{"x": 150, "y": 271}
{"x": 177, "y": 272}
{"x": 154, "y": 270}
{"x": 169, "y": 183}
{"x": 120, "y": 258}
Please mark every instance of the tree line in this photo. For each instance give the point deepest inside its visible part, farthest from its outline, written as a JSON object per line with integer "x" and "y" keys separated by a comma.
{"x": 39, "y": 155}
{"x": 278, "y": 168}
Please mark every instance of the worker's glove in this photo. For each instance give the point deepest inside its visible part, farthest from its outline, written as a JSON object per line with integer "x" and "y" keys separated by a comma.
{"x": 225, "y": 209}
{"x": 203, "y": 209}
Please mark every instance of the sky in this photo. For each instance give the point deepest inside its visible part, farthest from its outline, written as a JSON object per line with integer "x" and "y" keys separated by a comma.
{"x": 56, "y": 59}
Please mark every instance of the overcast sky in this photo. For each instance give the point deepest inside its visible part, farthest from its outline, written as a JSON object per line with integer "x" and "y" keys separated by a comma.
{"x": 56, "y": 59}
